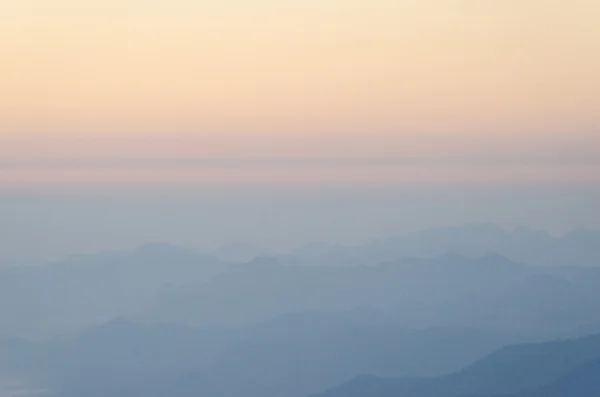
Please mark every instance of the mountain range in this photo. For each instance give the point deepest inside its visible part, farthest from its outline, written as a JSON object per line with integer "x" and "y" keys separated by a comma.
{"x": 90, "y": 289}
{"x": 473, "y": 311}
{"x": 446, "y": 291}
{"x": 579, "y": 247}
{"x": 561, "y": 368}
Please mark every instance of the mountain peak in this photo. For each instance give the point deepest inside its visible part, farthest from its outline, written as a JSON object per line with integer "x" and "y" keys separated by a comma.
{"x": 161, "y": 247}
{"x": 264, "y": 261}
{"x": 496, "y": 259}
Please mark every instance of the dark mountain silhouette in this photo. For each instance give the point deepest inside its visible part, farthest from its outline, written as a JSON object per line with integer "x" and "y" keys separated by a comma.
{"x": 584, "y": 381}
{"x": 581, "y": 382}
{"x": 526, "y": 368}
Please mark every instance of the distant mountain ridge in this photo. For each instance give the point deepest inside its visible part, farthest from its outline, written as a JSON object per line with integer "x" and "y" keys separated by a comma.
{"x": 188, "y": 324}
{"x": 580, "y": 247}
{"x": 447, "y": 291}
{"x": 93, "y": 288}
{"x": 88, "y": 289}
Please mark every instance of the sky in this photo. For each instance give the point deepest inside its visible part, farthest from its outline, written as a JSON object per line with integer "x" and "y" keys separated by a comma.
{"x": 98, "y": 90}
{"x": 183, "y": 96}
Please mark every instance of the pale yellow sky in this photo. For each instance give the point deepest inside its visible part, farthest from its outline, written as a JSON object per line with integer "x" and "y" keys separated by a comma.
{"x": 183, "y": 78}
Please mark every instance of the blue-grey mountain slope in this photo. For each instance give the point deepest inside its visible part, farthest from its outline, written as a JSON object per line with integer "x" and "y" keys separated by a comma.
{"x": 528, "y": 368}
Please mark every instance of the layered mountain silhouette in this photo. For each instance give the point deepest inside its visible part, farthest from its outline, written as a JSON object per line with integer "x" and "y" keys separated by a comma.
{"x": 427, "y": 314}
{"x": 89, "y": 289}
{"x": 290, "y": 356}
{"x": 116, "y": 355}
{"x": 301, "y": 354}
{"x": 298, "y": 355}
{"x": 581, "y": 382}
{"x": 447, "y": 291}
{"x": 238, "y": 252}
{"x": 580, "y": 247}
{"x": 553, "y": 369}
{"x": 84, "y": 290}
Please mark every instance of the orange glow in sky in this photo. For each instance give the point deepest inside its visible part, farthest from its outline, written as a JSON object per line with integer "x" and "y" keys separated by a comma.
{"x": 434, "y": 79}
